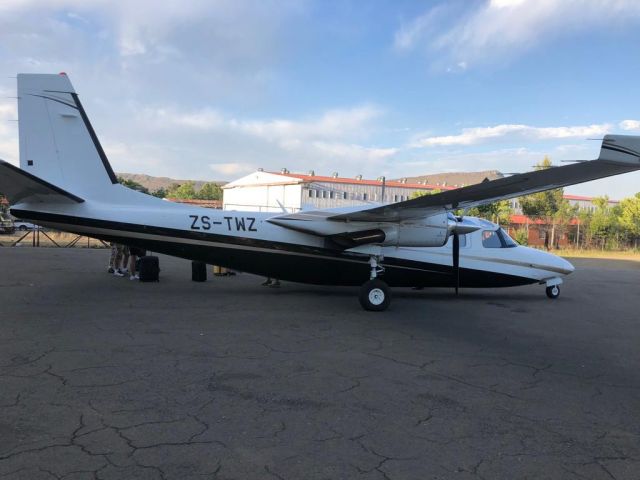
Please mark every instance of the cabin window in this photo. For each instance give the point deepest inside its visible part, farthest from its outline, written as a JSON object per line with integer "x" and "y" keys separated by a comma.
{"x": 490, "y": 239}
{"x": 497, "y": 239}
{"x": 507, "y": 241}
{"x": 461, "y": 238}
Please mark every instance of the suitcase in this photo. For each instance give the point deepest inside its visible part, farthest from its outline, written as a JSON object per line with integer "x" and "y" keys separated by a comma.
{"x": 149, "y": 269}
{"x": 198, "y": 272}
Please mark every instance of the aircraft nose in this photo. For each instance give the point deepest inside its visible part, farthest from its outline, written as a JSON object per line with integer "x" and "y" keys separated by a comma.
{"x": 565, "y": 265}
{"x": 559, "y": 264}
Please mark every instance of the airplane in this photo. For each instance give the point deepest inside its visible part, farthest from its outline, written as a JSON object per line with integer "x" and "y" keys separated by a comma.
{"x": 66, "y": 182}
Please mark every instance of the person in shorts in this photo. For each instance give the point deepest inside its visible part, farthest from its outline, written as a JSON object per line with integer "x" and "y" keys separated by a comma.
{"x": 115, "y": 259}
{"x": 134, "y": 254}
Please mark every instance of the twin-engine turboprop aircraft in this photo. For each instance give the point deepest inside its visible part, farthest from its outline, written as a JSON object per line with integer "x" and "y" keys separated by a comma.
{"x": 66, "y": 182}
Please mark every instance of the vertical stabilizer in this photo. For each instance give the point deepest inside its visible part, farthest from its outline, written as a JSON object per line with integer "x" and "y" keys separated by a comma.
{"x": 57, "y": 142}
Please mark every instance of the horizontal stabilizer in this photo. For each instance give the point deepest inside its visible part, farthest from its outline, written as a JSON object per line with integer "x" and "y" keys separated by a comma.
{"x": 19, "y": 186}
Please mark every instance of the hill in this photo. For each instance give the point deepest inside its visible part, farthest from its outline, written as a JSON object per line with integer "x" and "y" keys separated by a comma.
{"x": 155, "y": 183}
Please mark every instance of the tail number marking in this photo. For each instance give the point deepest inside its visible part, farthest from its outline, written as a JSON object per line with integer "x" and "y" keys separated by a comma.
{"x": 237, "y": 224}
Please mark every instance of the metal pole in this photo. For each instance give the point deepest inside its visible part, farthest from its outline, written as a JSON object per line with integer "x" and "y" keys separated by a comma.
{"x": 383, "y": 188}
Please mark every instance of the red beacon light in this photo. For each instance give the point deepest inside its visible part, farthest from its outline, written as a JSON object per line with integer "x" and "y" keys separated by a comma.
{"x": 63, "y": 73}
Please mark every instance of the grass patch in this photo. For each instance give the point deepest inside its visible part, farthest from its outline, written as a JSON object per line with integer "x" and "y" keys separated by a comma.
{"x": 633, "y": 255}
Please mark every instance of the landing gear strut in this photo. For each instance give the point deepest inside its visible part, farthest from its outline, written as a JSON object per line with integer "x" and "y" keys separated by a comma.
{"x": 375, "y": 295}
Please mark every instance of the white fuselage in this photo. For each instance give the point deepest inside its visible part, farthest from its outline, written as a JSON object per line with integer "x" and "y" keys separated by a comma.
{"x": 247, "y": 241}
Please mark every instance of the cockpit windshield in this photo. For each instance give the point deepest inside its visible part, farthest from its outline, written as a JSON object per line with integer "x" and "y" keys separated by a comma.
{"x": 497, "y": 239}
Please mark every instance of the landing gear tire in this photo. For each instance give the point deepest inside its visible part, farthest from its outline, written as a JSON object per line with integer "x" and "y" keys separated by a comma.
{"x": 553, "y": 291}
{"x": 375, "y": 295}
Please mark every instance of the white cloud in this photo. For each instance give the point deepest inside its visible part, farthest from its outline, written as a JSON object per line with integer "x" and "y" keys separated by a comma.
{"x": 231, "y": 170}
{"x": 630, "y": 125}
{"x": 499, "y": 29}
{"x": 337, "y": 123}
{"x": 413, "y": 32}
{"x": 8, "y": 128}
{"x": 472, "y": 136}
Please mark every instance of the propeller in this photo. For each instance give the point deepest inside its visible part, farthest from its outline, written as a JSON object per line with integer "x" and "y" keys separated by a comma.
{"x": 456, "y": 259}
{"x": 457, "y": 227}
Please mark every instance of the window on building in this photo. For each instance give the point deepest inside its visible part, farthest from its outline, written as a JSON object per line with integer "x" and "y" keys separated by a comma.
{"x": 344, "y": 195}
{"x": 332, "y": 194}
{"x": 395, "y": 198}
{"x": 311, "y": 192}
{"x": 324, "y": 194}
{"x": 364, "y": 196}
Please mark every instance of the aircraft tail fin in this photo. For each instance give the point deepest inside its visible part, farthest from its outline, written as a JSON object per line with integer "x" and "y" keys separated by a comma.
{"x": 57, "y": 142}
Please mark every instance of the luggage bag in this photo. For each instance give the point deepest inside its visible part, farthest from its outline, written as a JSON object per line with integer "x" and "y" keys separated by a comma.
{"x": 149, "y": 269}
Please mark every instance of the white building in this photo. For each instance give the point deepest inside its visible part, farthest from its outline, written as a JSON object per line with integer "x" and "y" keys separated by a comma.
{"x": 270, "y": 192}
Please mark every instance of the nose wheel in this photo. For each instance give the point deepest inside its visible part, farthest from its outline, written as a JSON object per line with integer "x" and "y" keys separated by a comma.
{"x": 553, "y": 291}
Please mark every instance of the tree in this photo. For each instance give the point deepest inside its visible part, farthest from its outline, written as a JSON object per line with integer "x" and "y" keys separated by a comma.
{"x": 186, "y": 191}
{"x": 603, "y": 225}
{"x": 210, "y": 191}
{"x": 544, "y": 206}
{"x": 160, "y": 193}
{"x": 629, "y": 218}
{"x": 133, "y": 185}
{"x": 498, "y": 212}
{"x": 422, "y": 193}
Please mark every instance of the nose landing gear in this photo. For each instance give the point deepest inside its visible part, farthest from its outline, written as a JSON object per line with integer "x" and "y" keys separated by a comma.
{"x": 553, "y": 288}
{"x": 375, "y": 295}
{"x": 553, "y": 292}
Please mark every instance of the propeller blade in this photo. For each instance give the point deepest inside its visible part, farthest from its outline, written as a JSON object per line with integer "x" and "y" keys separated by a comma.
{"x": 456, "y": 259}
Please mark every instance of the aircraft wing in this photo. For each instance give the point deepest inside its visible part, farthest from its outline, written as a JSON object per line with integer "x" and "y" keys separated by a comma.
{"x": 619, "y": 154}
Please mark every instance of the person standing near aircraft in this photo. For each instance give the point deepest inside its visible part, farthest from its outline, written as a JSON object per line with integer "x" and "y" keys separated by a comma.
{"x": 134, "y": 254}
{"x": 115, "y": 260}
{"x": 125, "y": 260}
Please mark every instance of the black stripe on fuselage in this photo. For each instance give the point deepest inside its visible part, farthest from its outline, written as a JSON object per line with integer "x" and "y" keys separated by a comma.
{"x": 293, "y": 262}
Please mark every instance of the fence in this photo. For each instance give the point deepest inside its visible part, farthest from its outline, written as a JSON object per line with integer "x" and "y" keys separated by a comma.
{"x": 38, "y": 237}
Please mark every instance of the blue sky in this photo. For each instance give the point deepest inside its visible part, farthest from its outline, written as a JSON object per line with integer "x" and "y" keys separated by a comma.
{"x": 215, "y": 89}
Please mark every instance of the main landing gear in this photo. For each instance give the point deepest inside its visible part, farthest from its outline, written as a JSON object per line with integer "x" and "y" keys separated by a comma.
{"x": 375, "y": 295}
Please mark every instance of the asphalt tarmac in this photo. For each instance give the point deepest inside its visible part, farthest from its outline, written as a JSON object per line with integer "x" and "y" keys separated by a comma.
{"x": 106, "y": 378}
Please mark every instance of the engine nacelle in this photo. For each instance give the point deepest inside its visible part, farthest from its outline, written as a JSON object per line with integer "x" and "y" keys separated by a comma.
{"x": 432, "y": 231}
